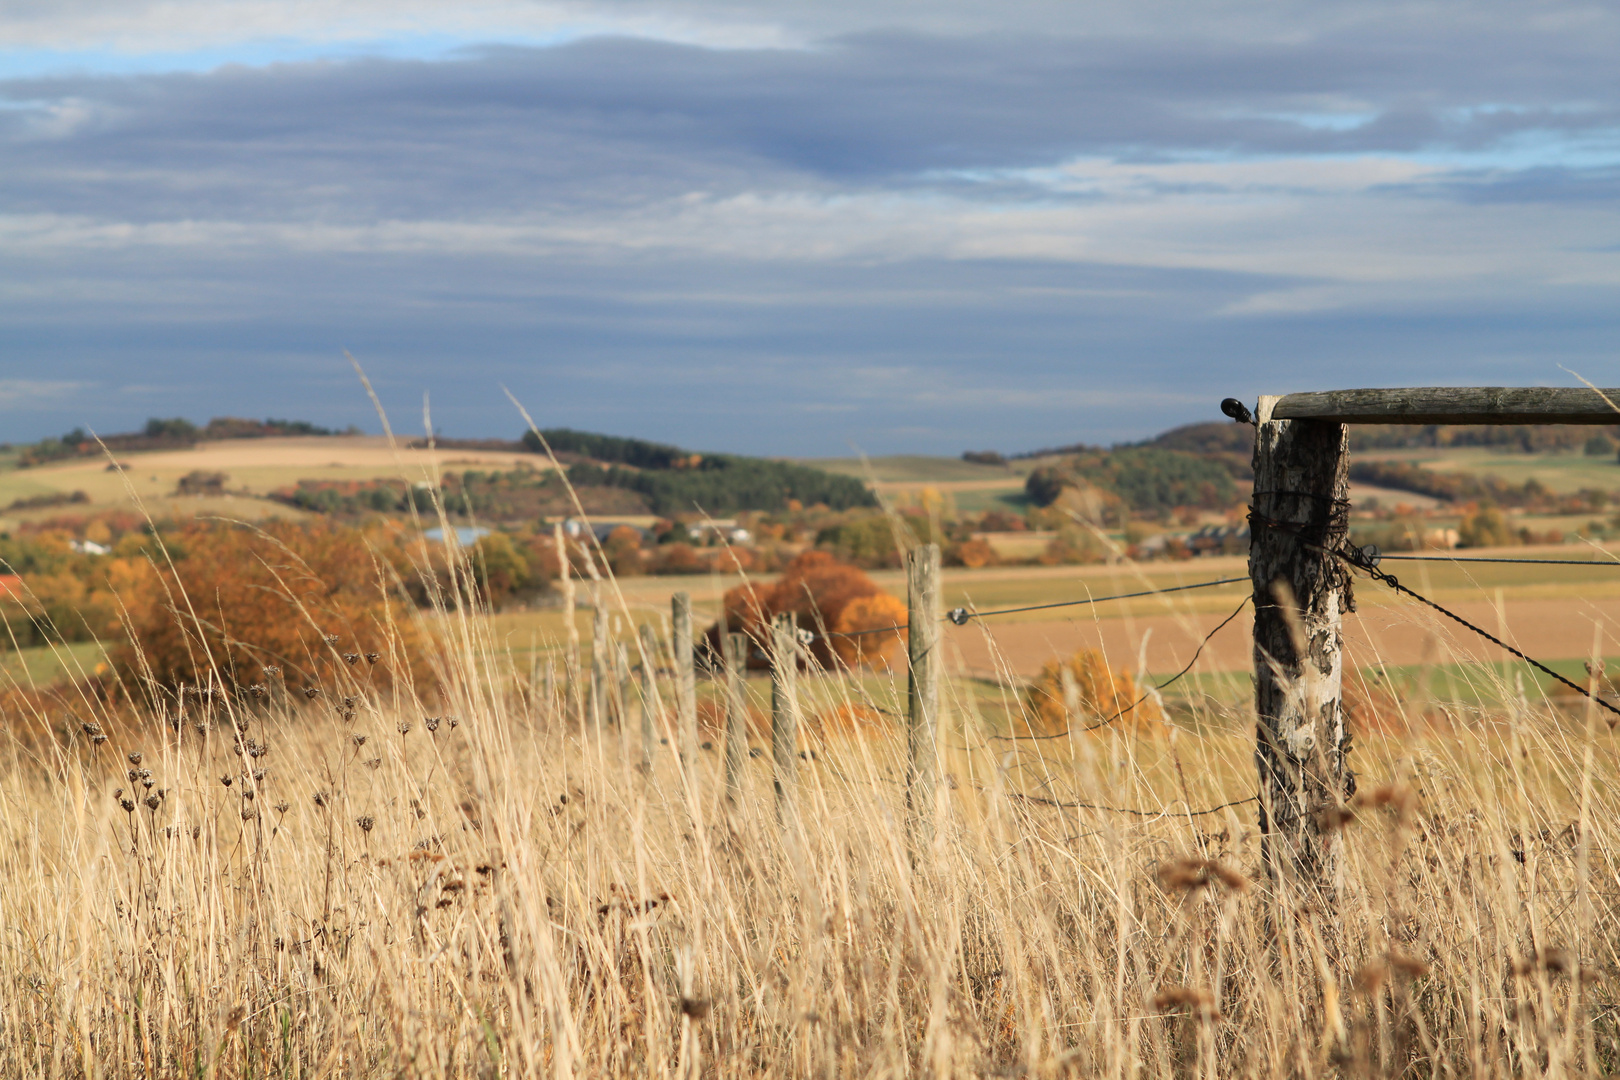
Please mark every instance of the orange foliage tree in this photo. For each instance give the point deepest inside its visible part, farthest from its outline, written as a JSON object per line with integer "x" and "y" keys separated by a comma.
{"x": 1099, "y": 694}
{"x": 824, "y": 595}
{"x": 311, "y": 600}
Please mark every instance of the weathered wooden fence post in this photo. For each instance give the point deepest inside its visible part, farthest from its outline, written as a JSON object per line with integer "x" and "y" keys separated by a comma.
{"x": 685, "y": 682}
{"x": 1299, "y": 518}
{"x": 651, "y": 710}
{"x": 736, "y": 659}
{"x": 599, "y": 657}
{"x": 785, "y": 714}
{"x": 922, "y": 717}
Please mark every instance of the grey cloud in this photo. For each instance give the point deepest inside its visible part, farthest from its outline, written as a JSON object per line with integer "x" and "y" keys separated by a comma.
{"x": 614, "y": 122}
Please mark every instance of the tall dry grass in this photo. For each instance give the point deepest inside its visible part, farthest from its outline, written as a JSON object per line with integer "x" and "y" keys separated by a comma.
{"x": 484, "y": 884}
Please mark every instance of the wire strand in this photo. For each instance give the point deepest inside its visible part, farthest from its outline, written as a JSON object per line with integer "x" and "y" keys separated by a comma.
{"x": 1138, "y": 701}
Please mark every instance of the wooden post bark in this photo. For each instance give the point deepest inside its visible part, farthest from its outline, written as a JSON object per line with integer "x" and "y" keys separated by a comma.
{"x": 736, "y": 658}
{"x": 785, "y": 714}
{"x": 922, "y": 727}
{"x": 1301, "y": 591}
{"x": 685, "y": 680}
{"x": 650, "y": 705}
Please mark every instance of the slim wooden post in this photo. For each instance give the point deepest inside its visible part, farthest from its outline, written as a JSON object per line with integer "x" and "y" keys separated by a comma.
{"x": 685, "y": 679}
{"x": 1301, "y": 591}
{"x": 736, "y": 653}
{"x": 785, "y": 713}
{"x": 650, "y": 706}
{"x": 571, "y": 657}
{"x": 599, "y": 657}
{"x": 922, "y": 729}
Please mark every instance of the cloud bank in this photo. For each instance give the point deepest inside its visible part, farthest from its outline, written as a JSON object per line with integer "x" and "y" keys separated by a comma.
{"x": 737, "y": 227}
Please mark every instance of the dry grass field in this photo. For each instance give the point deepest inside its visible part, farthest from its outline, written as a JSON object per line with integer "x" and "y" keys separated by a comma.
{"x": 255, "y": 468}
{"x": 477, "y": 879}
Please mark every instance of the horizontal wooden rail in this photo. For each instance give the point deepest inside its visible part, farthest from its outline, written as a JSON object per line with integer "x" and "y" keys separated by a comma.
{"x": 1450, "y": 405}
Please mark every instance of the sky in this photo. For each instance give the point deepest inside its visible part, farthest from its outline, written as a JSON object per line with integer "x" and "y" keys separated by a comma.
{"x": 796, "y": 229}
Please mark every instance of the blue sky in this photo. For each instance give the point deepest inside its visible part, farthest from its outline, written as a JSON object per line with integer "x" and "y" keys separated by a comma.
{"x": 897, "y": 226}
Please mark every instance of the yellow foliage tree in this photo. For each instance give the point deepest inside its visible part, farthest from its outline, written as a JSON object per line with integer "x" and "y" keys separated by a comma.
{"x": 880, "y": 621}
{"x": 1096, "y": 693}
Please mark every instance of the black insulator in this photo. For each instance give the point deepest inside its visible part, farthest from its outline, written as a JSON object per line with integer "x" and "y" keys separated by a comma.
{"x": 1237, "y": 410}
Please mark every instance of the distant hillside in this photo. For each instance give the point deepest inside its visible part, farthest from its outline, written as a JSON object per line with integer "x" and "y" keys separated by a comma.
{"x": 675, "y": 481}
{"x": 175, "y": 433}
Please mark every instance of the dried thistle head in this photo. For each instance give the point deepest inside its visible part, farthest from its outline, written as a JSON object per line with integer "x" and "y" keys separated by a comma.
{"x": 351, "y": 658}
{"x": 330, "y": 639}
{"x": 404, "y": 727}
{"x": 312, "y": 692}
{"x": 128, "y": 805}
{"x": 152, "y": 802}
{"x": 135, "y": 758}
{"x": 271, "y": 671}
{"x": 227, "y": 780}
{"x": 366, "y": 822}
{"x": 359, "y": 740}
{"x": 282, "y": 807}
{"x": 452, "y": 721}
{"x": 322, "y": 798}
{"x": 431, "y": 723}
{"x": 372, "y": 658}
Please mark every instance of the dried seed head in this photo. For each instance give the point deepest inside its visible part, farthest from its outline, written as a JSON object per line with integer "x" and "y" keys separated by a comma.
{"x": 258, "y": 774}
{"x": 696, "y": 1008}
{"x": 347, "y": 715}
{"x": 248, "y": 812}
{"x": 1397, "y": 797}
{"x": 152, "y": 802}
{"x": 351, "y": 658}
{"x": 196, "y": 831}
{"x": 128, "y": 805}
{"x": 257, "y": 690}
{"x": 133, "y": 775}
{"x": 118, "y": 793}
{"x": 147, "y": 782}
{"x": 348, "y": 702}
{"x": 1190, "y": 875}
{"x": 431, "y": 723}
{"x": 331, "y": 639}
{"x": 226, "y": 780}
{"x": 373, "y": 763}
{"x": 312, "y": 692}
{"x": 272, "y": 671}
{"x": 1332, "y": 819}
{"x": 365, "y": 822}
{"x": 1182, "y": 997}
{"x": 98, "y": 738}
{"x": 359, "y": 740}
{"x": 146, "y": 774}
{"x": 452, "y": 721}
{"x": 372, "y": 658}
{"x": 1554, "y": 961}
{"x": 90, "y": 729}
{"x": 321, "y": 798}
{"x": 404, "y": 727}
{"x": 247, "y": 793}
{"x": 1410, "y": 966}
{"x": 281, "y": 807}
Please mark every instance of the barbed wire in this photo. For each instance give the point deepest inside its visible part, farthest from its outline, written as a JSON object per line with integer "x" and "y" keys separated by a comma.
{"x": 1043, "y": 801}
{"x": 1367, "y": 558}
{"x": 960, "y": 615}
{"x": 1105, "y": 722}
{"x": 1385, "y": 557}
